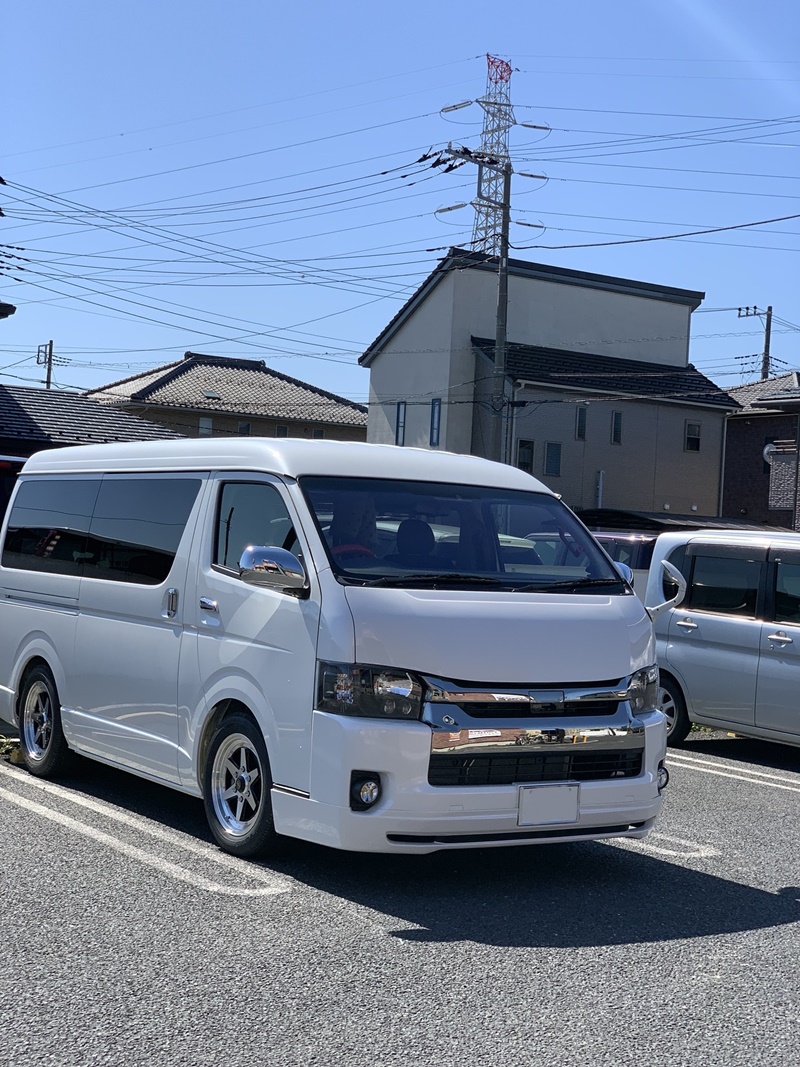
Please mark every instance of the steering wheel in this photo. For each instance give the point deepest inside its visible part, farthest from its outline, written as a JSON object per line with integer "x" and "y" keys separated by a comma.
{"x": 352, "y": 550}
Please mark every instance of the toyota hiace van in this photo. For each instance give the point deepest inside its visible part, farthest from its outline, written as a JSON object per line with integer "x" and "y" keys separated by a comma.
{"x": 357, "y": 645}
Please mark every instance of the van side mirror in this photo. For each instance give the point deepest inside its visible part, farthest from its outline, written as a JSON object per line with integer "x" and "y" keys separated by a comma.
{"x": 273, "y": 568}
{"x": 624, "y": 571}
{"x": 680, "y": 581}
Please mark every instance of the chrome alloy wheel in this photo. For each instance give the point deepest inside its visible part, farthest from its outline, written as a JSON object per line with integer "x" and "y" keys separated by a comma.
{"x": 666, "y": 705}
{"x": 237, "y": 783}
{"x": 37, "y": 721}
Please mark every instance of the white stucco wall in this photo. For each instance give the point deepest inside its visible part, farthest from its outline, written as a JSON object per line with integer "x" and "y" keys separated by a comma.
{"x": 416, "y": 367}
{"x": 574, "y": 317}
{"x": 431, "y": 355}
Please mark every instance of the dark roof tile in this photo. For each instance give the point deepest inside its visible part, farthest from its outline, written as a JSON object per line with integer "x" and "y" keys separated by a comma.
{"x": 50, "y": 417}
{"x": 626, "y": 378}
{"x": 760, "y": 393}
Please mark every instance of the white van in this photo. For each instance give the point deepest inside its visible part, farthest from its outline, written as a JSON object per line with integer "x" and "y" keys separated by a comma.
{"x": 729, "y": 651}
{"x": 357, "y": 645}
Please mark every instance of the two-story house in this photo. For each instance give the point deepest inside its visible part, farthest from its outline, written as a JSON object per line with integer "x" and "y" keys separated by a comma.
{"x": 601, "y": 401}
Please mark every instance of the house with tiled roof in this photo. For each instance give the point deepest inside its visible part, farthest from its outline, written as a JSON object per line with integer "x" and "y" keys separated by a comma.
{"x": 767, "y": 414}
{"x": 32, "y": 419}
{"x": 601, "y": 401}
{"x": 202, "y": 396}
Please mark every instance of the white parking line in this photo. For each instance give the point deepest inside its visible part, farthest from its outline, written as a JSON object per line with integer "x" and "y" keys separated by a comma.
{"x": 673, "y": 846}
{"x": 706, "y": 767}
{"x": 732, "y": 767}
{"x": 271, "y": 883}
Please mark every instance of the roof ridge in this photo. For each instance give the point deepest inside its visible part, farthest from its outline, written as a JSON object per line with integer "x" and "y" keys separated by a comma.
{"x": 132, "y": 378}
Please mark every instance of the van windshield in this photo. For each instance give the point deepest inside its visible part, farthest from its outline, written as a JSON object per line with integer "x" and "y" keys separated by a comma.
{"x": 402, "y": 533}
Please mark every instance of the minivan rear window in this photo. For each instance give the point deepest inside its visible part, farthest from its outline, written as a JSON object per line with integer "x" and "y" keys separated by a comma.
{"x": 49, "y": 524}
{"x": 124, "y": 529}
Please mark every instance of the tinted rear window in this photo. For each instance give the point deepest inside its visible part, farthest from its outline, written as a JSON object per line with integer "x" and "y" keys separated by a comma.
{"x": 118, "y": 528}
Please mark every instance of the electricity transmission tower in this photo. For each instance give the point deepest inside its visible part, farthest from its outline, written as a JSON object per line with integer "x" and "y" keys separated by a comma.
{"x": 498, "y": 119}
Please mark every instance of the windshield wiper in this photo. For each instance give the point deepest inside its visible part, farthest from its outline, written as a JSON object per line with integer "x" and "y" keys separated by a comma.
{"x": 573, "y": 583}
{"x": 445, "y": 578}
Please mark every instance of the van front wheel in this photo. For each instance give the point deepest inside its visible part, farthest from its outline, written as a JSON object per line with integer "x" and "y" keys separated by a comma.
{"x": 44, "y": 748}
{"x": 236, "y": 789}
{"x": 673, "y": 707}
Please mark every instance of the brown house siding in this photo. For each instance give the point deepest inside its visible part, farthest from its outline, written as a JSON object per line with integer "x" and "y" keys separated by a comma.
{"x": 745, "y": 492}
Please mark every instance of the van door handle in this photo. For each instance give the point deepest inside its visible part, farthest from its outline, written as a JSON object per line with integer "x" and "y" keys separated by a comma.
{"x": 207, "y": 604}
{"x": 687, "y": 624}
{"x": 172, "y": 603}
{"x": 780, "y": 638}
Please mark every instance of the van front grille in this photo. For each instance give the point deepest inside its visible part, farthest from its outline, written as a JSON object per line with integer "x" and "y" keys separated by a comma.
{"x": 524, "y": 709}
{"x": 510, "y": 768}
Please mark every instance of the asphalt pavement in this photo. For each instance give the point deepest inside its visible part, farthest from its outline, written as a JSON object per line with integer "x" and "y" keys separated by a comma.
{"x": 130, "y": 939}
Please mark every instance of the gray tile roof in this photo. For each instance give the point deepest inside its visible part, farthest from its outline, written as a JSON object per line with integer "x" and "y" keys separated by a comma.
{"x": 220, "y": 385}
{"x": 42, "y": 417}
{"x": 627, "y": 378}
{"x": 759, "y": 391}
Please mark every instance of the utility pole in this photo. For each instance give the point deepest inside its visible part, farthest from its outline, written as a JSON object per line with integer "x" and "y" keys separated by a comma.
{"x": 44, "y": 356}
{"x": 749, "y": 312}
{"x": 500, "y": 428}
{"x": 503, "y": 170}
{"x": 767, "y": 336}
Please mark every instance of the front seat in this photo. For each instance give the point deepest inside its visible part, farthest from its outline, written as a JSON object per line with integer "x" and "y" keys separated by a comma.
{"x": 415, "y": 544}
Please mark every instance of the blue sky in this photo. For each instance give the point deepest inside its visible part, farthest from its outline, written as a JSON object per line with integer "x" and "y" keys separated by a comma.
{"x": 240, "y": 179}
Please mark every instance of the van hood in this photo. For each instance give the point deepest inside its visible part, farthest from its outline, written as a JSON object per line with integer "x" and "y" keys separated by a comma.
{"x": 511, "y": 638}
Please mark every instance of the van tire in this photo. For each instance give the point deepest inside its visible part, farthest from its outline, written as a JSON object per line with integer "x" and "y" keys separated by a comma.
{"x": 45, "y": 752}
{"x": 237, "y": 787}
{"x": 673, "y": 706}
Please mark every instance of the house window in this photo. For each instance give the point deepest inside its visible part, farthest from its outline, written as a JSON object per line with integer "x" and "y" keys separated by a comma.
{"x": 616, "y": 427}
{"x": 205, "y": 426}
{"x": 400, "y": 424}
{"x": 244, "y": 429}
{"x": 552, "y": 459}
{"x": 580, "y": 423}
{"x": 436, "y": 418}
{"x": 281, "y": 431}
{"x": 691, "y": 440}
{"x": 318, "y": 434}
{"x": 525, "y": 456}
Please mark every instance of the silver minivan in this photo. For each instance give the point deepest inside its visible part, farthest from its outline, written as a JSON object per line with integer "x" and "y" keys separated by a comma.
{"x": 729, "y": 654}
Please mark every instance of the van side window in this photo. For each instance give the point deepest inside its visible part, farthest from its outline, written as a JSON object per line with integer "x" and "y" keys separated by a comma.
{"x": 137, "y": 526}
{"x": 49, "y": 524}
{"x": 250, "y": 513}
{"x": 787, "y": 592}
{"x": 724, "y": 585}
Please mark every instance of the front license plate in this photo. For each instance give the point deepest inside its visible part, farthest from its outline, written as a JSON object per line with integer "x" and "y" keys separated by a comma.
{"x": 545, "y": 805}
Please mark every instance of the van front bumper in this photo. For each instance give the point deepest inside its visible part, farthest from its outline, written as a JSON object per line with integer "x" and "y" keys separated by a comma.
{"x": 414, "y": 816}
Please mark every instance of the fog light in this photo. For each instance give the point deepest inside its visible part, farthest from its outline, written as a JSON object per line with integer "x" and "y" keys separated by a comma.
{"x": 365, "y": 790}
{"x": 662, "y": 777}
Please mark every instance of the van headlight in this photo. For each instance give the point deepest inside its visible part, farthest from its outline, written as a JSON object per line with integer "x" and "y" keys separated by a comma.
{"x": 643, "y": 689}
{"x": 369, "y": 692}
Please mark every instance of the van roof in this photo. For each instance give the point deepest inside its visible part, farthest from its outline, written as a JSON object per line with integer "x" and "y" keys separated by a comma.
{"x": 731, "y": 537}
{"x": 289, "y": 456}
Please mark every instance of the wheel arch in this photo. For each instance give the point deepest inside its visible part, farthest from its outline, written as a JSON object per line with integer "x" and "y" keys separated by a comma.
{"x": 674, "y": 679}
{"x": 216, "y": 716}
{"x": 26, "y": 668}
